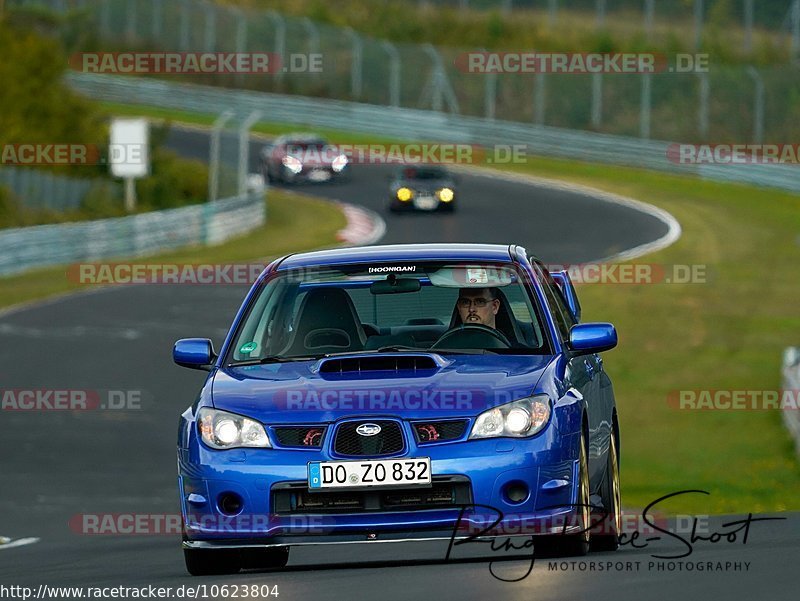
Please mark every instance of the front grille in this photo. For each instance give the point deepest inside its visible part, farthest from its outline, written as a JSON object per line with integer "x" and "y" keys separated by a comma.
{"x": 350, "y": 443}
{"x": 427, "y": 432}
{"x": 447, "y": 491}
{"x": 300, "y": 436}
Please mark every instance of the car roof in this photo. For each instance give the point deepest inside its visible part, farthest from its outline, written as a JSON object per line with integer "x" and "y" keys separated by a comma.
{"x": 400, "y": 252}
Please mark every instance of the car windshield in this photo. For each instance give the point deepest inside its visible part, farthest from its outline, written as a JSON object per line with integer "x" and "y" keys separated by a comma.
{"x": 447, "y": 308}
{"x": 307, "y": 144}
{"x": 423, "y": 173}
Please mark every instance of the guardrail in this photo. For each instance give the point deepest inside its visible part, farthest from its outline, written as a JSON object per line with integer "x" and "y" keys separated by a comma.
{"x": 791, "y": 382}
{"x": 420, "y": 125}
{"x": 37, "y": 189}
{"x": 133, "y": 236}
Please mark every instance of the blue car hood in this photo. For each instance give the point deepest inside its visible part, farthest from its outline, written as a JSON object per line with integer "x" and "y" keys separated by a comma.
{"x": 296, "y": 392}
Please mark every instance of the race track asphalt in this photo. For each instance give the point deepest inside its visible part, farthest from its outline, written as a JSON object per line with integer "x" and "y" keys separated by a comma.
{"x": 56, "y": 466}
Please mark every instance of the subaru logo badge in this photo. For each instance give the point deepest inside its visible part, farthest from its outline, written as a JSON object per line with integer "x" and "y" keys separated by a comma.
{"x": 368, "y": 429}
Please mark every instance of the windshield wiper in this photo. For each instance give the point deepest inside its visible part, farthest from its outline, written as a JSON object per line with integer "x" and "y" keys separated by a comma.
{"x": 474, "y": 351}
{"x": 272, "y": 359}
{"x": 442, "y": 351}
{"x": 400, "y": 348}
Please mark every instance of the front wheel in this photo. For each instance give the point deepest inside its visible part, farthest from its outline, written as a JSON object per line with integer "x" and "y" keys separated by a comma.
{"x": 212, "y": 562}
{"x": 612, "y": 524}
{"x": 574, "y": 545}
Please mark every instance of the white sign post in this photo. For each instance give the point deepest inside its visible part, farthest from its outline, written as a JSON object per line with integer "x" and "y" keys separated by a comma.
{"x": 129, "y": 154}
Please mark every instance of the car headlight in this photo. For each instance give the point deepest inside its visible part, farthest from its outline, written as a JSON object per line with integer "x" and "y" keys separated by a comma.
{"x": 524, "y": 417}
{"x": 339, "y": 163}
{"x": 446, "y": 194}
{"x": 293, "y": 164}
{"x": 223, "y": 430}
{"x": 404, "y": 194}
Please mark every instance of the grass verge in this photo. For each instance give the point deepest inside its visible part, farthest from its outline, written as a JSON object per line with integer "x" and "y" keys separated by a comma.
{"x": 530, "y": 26}
{"x": 728, "y": 333}
{"x": 725, "y": 334}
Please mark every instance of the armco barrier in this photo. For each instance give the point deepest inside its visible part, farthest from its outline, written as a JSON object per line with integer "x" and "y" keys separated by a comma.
{"x": 791, "y": 381}
{"x": 134, "y": 236}
{"x": 39, "y": 189}
{"x": 420, "y": 125}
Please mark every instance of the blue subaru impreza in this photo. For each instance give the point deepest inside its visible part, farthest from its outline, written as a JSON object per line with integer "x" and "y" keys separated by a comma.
{"x": 408, "y": 392}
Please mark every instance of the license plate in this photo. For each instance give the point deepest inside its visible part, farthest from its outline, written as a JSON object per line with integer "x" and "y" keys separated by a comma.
{"x": 369, "y": 473}
{"x": 427, "y": 203}
{"x": 319, "y": 175}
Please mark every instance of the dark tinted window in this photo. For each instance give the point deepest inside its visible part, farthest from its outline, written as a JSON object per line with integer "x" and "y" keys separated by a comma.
{"x": 558, "y": 307}
{"x": 423, "y": 173}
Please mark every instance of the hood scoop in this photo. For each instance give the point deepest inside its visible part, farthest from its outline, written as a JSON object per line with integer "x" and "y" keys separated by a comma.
{"x": 380, "y": 365}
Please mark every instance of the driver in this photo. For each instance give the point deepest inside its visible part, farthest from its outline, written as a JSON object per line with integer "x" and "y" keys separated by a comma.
{"x": 478, "y": 306}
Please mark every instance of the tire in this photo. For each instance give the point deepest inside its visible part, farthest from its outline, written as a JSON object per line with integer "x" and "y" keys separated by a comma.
{"x": 576, "y": 545}
{"x": 287, "y": 177}
{"x": 208, "y": 562}
{"x": 612, "y": 525}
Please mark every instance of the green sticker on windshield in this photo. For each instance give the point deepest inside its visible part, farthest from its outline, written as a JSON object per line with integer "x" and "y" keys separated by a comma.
{"x": 248, "y": 347}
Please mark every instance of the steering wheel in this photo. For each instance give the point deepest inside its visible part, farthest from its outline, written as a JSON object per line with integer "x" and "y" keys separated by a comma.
{"x": 472, "y": 336}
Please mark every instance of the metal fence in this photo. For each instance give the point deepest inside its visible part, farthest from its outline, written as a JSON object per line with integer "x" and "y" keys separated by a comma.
{"x": 37, "y": 189}
{"x": 421, "y": 125}
{"x": 134, "y": 236}
{"x": 791, "y": 384}
{"x": 726, "y": 104}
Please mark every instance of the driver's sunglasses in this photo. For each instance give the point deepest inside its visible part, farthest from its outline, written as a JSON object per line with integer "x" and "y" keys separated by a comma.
{"x": 465, "y": 303}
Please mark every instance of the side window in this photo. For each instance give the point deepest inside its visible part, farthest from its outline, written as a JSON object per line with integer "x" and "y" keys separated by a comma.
{"x": 558, "y": 307}
{"x": 524, "y": 313}
{"x": 562, "y": 303}
{"x": 254, "y": 338}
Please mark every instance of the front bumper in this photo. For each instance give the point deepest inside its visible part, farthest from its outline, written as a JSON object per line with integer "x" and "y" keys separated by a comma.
{"x": 545, "y": 466}
{"x": 317, "y": 173}
{"x": 397, "y": 205}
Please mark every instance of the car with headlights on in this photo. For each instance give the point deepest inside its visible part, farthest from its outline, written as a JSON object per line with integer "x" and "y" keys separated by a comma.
{"x": 293, "y": 158}
{"x": 409, "y": 393}
{"x": 422, "y": 188}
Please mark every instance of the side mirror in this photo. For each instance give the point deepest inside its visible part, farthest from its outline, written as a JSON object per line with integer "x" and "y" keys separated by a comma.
{"x": 587, "y": 338}
{"x": 567, "y": 288}
{"x": 194, "y": 353}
